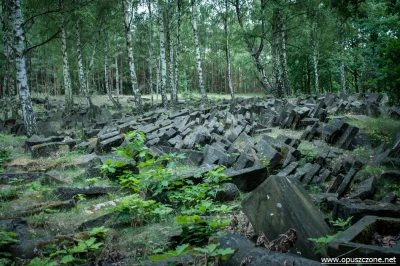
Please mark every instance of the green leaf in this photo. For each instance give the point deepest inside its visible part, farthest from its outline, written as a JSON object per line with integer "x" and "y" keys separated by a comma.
{"x": 67, "y": 259}
{"x": 225, "y": 251}
{"x": 181, "y": 248}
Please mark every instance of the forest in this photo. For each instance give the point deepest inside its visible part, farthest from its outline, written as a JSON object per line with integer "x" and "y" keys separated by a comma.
{"x": 199, "y": 132}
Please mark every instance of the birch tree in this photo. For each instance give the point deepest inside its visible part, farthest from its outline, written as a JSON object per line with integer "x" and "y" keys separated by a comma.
{"x": 132, "y": 72}
{"x": 8, "y": 79}
{"x": 151, "y": 51}
{"x": 178, "y": 47}
{"x": 253, "y": 50}
{"x": 117, "y": 71}
{"x": 22, "y": 79}
{"x": 69, "y": 100}
{"x": 315, "y": 56}
{"x": 285, "y": 71}
{"x": 198, "y": 55}
{"x": 227, "y": 51}
{"x": 276, "y": 29}
{"x": 171, "y": 50}
{"x": 81, "y": 73}
{"x": 163, "y": 58}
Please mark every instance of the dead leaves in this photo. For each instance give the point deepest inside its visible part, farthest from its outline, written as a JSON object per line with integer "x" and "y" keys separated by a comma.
{"x": 384, "y": 241}
{"x": 281, "y": 244}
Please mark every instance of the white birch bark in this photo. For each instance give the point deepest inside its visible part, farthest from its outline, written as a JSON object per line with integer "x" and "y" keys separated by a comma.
{"x": 117, "y": 78}
{"x": 171, "y": 51}
{"x": 342, "y": 77}
{"x": 151, "y": 49}
{"x": 198, "y": 55}
{"x": 227, "y": 51}
{"x": 7, "y": 42}
{"x": 276, "y": 23}
{"x": 178, "y": 49}
{"x": 158, "y": 79}
{"x": 163, "y": 59}
{"x": 69, "y": 100}
{"x": 7, "y": 54}
{"x": 315, "y": 57}
{"x": 22, "y": 79}
{"x": 132, "y": 72}
{"x": 286, "y": 80}
{"x": 250, "y": 47}
{"x": 81, "y": 73}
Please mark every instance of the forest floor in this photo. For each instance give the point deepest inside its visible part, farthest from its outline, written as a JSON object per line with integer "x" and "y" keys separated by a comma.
{"x": 141, "y": 227}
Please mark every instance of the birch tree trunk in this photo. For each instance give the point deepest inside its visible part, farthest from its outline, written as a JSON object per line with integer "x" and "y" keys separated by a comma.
{"x": 162, "y": 55}
{"x": 342, "y": 77}
{"x": 198, "y": 55}
{"x": 7, "y": 42}
{"x": 158, "y": 79}
{"x": 81, "y": 73}
{"x": 227, "y": 51}
{"x": 276, "y": 22}
{"x": 256, "y": 54}
{"x": 134, "y": 82}
{"x": 286, "y": 80}
{"x": 315, "y": 57}
{"x": 106, "y": 79}
{"x": 117, "y": 77}
{"x": 151, "y": 49}
{"x": 22, "y": 80}
{"x": 171, "y": 50}
{"x": 69, "y": 100}
{"x": 178, "y": 49}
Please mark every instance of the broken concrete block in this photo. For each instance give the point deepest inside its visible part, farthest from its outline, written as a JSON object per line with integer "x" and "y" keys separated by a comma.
{"x": 279, "y": 204}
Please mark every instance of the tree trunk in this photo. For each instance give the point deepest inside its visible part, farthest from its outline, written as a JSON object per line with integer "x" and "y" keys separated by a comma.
{"x": 315, "y": 57}
{"x": 256, "y": 54}
{"x": 106, "y": 79}
{"x": 178, "y": 49}
{"x": 22, "y": 80}
{"x": 69, "y": 100}
{"x": 135, "y": 88}
{"x": 198, "y": 55}
{"x": 7, "y": 42}
{"x": 117, "y": 78}
{"x": 158, "y": 79}
{"x": 9, "y": 80}
{"x": 162, "y": 55}
{"x": 81, "y": 73}
{"x": 171, "y": 51}
{"x": 342, "y": 77}
{"x": 151, "y": 49}
{"x": 276, "y": 29}
{"x": 286, "y": 80}
{"x": 227, "y": 51}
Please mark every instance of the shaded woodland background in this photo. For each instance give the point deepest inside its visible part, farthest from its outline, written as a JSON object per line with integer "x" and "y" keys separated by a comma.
{"x": 283, "y": 47}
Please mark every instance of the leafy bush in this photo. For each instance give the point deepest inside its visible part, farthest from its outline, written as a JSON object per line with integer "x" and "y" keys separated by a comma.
{"x": 5, "y": 155}
{"x": 138, "y": 211}
{"x": 197, "y": 231}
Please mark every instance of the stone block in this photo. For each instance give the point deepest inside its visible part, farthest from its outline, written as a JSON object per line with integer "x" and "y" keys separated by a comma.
{"x": 280, "y": 204}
